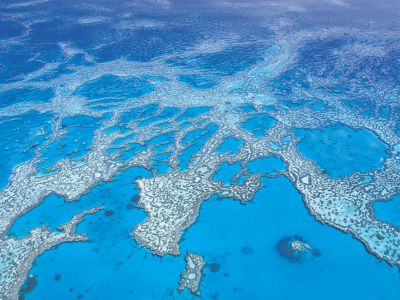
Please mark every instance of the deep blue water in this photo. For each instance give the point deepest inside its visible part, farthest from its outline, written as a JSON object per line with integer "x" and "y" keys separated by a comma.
{"x": 226, "y": 62}
{"x": 10, "y": 29}
{"x": 18, "y": 139}
{"x": 114, "y": 86}
{"x": 14, "y": 96}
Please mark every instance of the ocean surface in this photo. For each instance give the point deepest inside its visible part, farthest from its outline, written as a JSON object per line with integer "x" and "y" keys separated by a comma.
{"x": 238, "y": 241}
{"x": 170, "y": 78}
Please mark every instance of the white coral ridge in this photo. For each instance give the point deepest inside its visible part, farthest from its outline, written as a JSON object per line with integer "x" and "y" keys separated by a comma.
{"x": 191, "y": 277}
{"x": 17, "y": 255}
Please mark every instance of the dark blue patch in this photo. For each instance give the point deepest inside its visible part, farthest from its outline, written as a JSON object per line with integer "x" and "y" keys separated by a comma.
{"x": 14, "y": 96}
{"x": 259, "y": 124}
{"x": 108, "y": 86}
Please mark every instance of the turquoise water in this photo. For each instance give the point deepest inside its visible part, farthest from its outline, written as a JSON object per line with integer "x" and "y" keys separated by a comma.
{"x": 247, "y": 108}
{"x": 363, "y": 105}
{"x": 340, "y": 150}
{"x": 259, "y": 124}
{"x": 242, "y": 239}
{"x": 318, "y": 106}
{"x": 142, "y": 111}
{"x": 241, "y": 251}
{"x": 75, "y": 143}
{"x": 123, "y": 140}
{"x": 226, "y": 172}
{"x": 194, "y": 141}
{"x": 388, "y": 211}
{"x": 167, "y": 113}
{"x": 193, "y": 112}
{"x": 162, "y": 141}
{"x": 254, "y": 62}
{"x": 197, "y": 81}
{"x": 269, "y": 165}
{"x": 111, "y": 265}
{"x": 160, "y": 163}
{"x": 230, "y": 145}
{"x": 132, "y": 149}
{"x": 52, "y": 212}
{"x": 294, "y": 104}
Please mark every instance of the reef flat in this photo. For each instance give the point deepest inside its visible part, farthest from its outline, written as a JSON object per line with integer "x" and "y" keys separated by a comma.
{"x": 191, "y": 278}
{"x": 17, "y": 255}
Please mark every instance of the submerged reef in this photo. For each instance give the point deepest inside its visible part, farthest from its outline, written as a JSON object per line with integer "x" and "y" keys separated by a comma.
{"x": 295, "y": 249}
{"x": 191, "y": 278}
{"x": 17, "y": 255}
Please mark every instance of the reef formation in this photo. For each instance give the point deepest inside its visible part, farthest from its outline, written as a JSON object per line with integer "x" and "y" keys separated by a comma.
{"x": 155, "y": 115}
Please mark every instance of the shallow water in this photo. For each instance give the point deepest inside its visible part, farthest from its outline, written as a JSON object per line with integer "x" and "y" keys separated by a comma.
{"x": 204, "y": 66}
{"x": 240, "y": 251}
{"x": 388, "y": 211}
{"x": 259, "y": 124}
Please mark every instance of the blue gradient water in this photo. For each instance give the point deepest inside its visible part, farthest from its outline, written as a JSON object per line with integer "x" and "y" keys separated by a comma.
{"x": 239, "y": 238}
{"x": 18, "y": 139}
{"x": 341, "y": 150}
{"x": 75, "y": 143}
{"x": 14, "y": 96}
{"x": 109, "y": 86}
{"x": 259, "y": 124}
{"x": 230, "y": 145}
{"x": 239, "y": 242}
{"x": 388, "y": 211}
